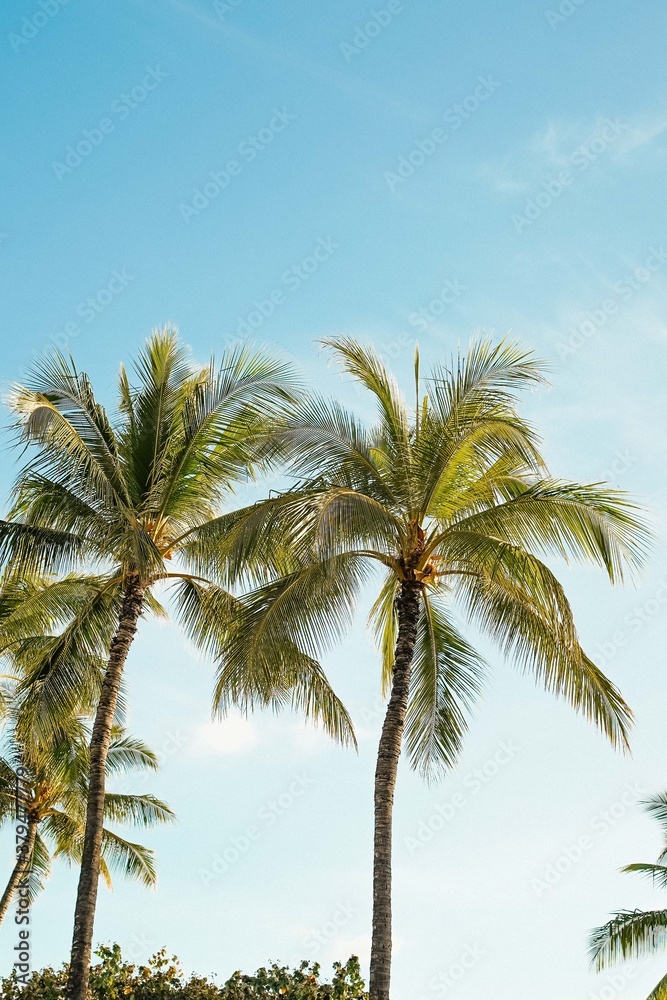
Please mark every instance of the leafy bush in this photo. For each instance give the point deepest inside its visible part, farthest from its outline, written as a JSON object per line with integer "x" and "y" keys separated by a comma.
{"x": 163, "y": 979}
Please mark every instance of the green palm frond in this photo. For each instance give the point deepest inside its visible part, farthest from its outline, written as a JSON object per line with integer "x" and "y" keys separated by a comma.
{"x": 140, "y": 810}
{"x": 310, "y": 607}
{"x": 40, "y": 869}
{"x": 447, "y": 678}
{"x": 327, "y": 444}
{"x": 128, "y": 753}
{"x": 288, "y": 679}
{"x": 34, "y": 549}
{"x": 131, "y": 860}
{"x": 518, "y": 602}
{"x": 486, "y": 379}
{"x": 205, "y": 612}
{"x": 366, "y": 366}
{"x": 629, "y": 934}
{"x": 57, "y": 411}
{"x": 656, "y": 805}
{"x": 656, "y": 873}
{"x": 383, "y": 622}
{"x": 62, "y": 673}
{"x": 594, "y": 524}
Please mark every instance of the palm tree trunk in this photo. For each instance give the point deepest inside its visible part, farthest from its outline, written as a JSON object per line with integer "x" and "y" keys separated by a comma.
{"x": 389, "y": 751}
{"x": 84, "y": 914}
{"x": 21, "y": 868}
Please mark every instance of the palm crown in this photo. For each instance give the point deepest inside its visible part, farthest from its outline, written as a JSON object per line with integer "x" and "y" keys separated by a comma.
{"x": 53, "y": 780}
{"x": 105, "y": 502}
{"x": 452, "y": 497}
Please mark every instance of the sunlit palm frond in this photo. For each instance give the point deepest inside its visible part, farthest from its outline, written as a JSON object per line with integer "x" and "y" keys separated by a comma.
{"x": 367, "y": 367}
{"x": 519, "y": 603}
{"x": 131, "y": 860}
{"x": 58, "y": 412}
{"x": 139, "y": 810}
{"x": 447, "y": 678}
{"x": 594, "y": 524}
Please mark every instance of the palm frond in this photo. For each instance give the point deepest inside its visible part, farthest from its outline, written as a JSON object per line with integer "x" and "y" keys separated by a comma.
{"x": 132, "y": 860}
{"x": 516, "y": 600}
{"x": 629, "y": 934}
{"x": 447, "y": 678}
{"x": 140, "y": 810}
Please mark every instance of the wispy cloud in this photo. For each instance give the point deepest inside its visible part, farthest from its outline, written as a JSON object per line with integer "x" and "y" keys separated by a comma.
{"x": 642, "y": 132}
{"x": 263, "y": 50}
{"x": 555, "y": 146}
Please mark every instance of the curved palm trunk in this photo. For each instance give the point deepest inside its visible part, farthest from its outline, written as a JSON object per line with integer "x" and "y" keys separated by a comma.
{"x": 84, "y": 914}
{"x": 21, "y": 868}
{"x": 389, "y": 752}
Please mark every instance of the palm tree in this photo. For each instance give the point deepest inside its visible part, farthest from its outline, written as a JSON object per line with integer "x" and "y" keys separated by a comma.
{"x": 133, "y": 500}
{"x": 635, "y": 933}
{"x": 52, "y": 781}
{"x": 452, "y": 502}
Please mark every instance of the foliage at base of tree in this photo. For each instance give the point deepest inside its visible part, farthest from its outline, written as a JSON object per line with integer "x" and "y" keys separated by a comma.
{"x": 163, "y": 979}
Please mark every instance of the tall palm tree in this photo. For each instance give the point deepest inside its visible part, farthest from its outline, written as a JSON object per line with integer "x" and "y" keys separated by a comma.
{"x": 452, "y": 502}
{"x": 51, "y": 781}
{"x": 132, "y": 499}
{"x": 635, "y": 933}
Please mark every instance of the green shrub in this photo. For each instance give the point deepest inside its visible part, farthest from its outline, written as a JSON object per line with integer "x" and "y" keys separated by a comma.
{"x": 163, "y": 979}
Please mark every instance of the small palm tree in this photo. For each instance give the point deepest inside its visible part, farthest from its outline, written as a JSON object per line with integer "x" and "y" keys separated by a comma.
{"x": 451, "y": 501}
{"x": 50, "y": 782}
{"x": 134, "y": 500}
{"x": 636, "y": 933}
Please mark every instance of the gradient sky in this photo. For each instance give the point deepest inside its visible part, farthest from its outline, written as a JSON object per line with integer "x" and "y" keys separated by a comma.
{"x": 461, "y": 167}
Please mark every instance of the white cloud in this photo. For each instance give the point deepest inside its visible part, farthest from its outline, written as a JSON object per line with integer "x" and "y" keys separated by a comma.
{"x": 233, "y": 735}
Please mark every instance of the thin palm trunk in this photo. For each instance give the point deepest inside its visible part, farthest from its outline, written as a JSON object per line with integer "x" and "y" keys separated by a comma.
{"x": 21, "y": 868}
{"x": 84, "y": 914}
{"x": 389, "y": 752}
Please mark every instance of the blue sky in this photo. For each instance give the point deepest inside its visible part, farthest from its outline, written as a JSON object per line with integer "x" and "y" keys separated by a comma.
{"x": 391, "y": 171}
